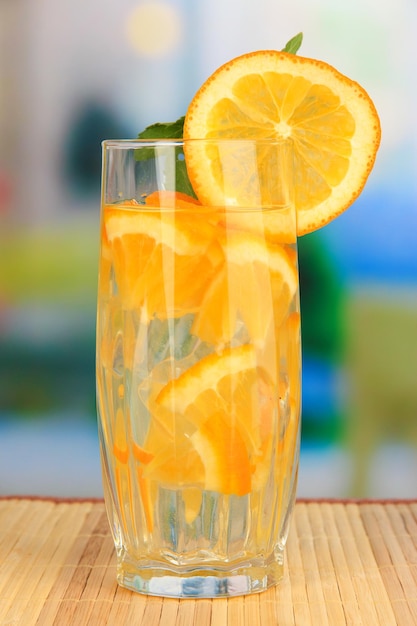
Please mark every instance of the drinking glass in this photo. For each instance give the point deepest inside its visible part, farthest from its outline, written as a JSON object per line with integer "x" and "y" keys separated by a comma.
{"x": 198, "y": 362}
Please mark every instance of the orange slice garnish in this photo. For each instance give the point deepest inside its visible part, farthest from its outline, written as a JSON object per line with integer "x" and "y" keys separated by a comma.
{"x": 331, "y": 121}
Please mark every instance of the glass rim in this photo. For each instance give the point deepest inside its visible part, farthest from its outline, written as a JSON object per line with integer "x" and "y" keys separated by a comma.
{"x": 126, "y": 144}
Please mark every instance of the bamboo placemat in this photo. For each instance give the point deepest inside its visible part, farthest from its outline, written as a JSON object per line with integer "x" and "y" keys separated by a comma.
{"x": 352, "y": 563}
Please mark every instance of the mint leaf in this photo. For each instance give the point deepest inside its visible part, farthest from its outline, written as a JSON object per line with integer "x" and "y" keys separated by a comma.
{"x": 168, "y": 130}
{"x": 160, "y": 130}
{"x": 164, "y": 130}
{"x": 294, "y": 44}
{"x": 182, "y": 182}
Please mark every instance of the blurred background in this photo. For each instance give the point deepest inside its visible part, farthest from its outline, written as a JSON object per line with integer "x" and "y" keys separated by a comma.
{"x": 73, "y": 73}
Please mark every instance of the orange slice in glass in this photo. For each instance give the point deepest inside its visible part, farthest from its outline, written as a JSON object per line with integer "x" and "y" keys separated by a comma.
{"x": 257, "y": 280}
{"x": 217, "y": 409}
{"x": 157, "y": 250}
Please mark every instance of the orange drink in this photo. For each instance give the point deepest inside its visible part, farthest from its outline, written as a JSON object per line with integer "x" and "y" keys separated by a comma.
{"x": 198, "y": 324}
{"x": 198, "y": 370}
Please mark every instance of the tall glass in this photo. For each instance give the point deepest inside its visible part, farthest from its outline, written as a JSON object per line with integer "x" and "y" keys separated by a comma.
{"x": 198, "y": 363}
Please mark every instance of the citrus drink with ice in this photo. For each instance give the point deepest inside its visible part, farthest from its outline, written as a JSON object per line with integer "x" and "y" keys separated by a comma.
{"x": 198, "y": 328}
{"x": 198, "y": 383}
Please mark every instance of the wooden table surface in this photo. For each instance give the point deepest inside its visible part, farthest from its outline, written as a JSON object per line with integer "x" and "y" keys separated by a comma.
{"x": 347, "y": 562}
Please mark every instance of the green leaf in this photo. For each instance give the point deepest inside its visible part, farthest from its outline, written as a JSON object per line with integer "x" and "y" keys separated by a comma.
{"x": 164, "y": 130}
{"x": 182, "y": 182}
{"x": 160, "y": 130}
{"x": 294, "y": 44}
{"x": 167, "y": 130}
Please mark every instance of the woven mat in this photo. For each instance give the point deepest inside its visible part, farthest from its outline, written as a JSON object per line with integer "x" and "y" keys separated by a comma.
{"x": 347, "y": 563}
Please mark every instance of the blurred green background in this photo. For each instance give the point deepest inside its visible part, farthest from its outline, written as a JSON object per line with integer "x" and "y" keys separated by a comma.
{"x": 75, "y": 73}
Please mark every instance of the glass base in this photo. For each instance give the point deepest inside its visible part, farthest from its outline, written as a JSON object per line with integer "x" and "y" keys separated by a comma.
{"x": 197, "y": 582}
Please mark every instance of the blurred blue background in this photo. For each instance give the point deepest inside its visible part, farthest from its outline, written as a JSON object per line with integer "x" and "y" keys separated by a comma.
{"x": 73, "y": 73}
